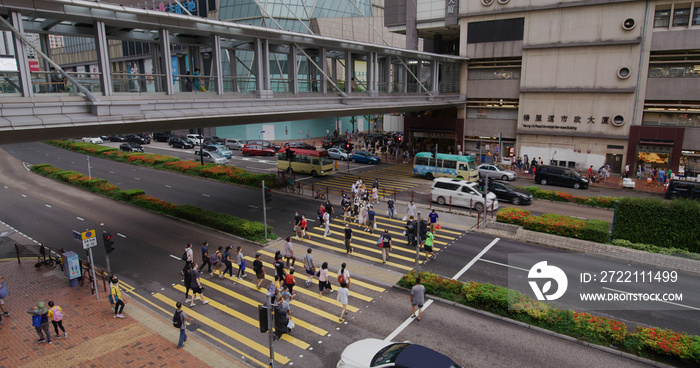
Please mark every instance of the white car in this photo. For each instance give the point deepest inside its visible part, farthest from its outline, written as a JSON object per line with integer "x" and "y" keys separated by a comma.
{"x": 370, "y": 353}
{"x": 461, "y": 193}
{"x": 496, "y": 172}
{"x": 211, "y": 157}
{"x": 93, "y": 140}
{"x": 197, "y": 139}
{"x": 338, "y": 154}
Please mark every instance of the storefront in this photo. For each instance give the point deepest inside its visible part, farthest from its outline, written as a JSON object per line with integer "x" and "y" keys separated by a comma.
{"x": 655, "y": 146}
{"x": 424, "y": 133}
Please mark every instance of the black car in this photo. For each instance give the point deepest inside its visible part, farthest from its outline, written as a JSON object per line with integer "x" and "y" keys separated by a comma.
{"x": 683, "y": 189}
{"x": 556, "y": 175}
{"x": 214, "y": 140}
{"x": 177, "y": 142}
{"x": 145, "y": 136}
{"x": 130, "y": 147}
{"x": 162, "y": 136}
{"x": 300, "y": 145}
{"x": 116, "y": 138}
{"x": 136, "y": 139}
{"x": 507, "y": 192}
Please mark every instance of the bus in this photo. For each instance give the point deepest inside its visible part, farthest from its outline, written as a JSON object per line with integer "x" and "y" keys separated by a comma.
{"x": 453, "y": 166}
{"x": 304, "y": 161}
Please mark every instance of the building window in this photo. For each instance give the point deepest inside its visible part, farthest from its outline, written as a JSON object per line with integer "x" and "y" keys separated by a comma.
{"x": 494, "y": 74}
{"x": 696, "y": 15}
{"x": 681, "y": 17}
{"x": 674, "y": 71}
{"x": 662, "y": 18}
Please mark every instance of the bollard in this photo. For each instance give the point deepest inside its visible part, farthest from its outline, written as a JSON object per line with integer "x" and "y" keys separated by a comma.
{"x": 17, "y": 251}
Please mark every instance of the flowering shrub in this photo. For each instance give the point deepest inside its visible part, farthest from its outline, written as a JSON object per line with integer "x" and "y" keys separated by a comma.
{"x": 673, "y": 346}
{"x": 604, "y": 201}
{"x": 512, "y": 215}
{"x": 555, "y": 224}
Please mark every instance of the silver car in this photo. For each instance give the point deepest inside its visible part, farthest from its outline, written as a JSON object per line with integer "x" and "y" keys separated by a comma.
{"x": 235, "y": 144}
{"x": 211, "y": 157}
{"x": 337, "y": 154}
{"x": 496, "y": 172}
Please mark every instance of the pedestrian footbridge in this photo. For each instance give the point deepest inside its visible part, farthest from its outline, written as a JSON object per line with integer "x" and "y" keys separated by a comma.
{"x": 125, "y": 70}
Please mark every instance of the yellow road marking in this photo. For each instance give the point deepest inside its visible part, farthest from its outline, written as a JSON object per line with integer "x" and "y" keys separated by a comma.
{"x": 439, "y": 231}
{"x": 255, "y": 304}
{"x": 249, "y": 320}
{"x": 354, "y": 281}
{"x": 374, "y": 241}
{"x": 225, "y": 330}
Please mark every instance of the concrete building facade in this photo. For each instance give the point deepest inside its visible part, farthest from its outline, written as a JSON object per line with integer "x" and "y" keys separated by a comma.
{"x": 575, "y": 83}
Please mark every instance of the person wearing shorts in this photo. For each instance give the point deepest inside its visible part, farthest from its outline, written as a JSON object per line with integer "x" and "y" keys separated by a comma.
{"x": 259, "y": 270}
{"x": 417, "y": 299}
{"x": 428, "y": 246}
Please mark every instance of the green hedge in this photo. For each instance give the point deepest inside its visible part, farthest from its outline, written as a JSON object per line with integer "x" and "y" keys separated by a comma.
{"x": 665, "y": 345}
{"x": 656, "y": 249}
{"x": 593, "y": 230}
{"x": 552, "y": 195}
{"x": 233, "y": 225}
{"x": 219, "y": 172}
{"x": 667, "y": 224}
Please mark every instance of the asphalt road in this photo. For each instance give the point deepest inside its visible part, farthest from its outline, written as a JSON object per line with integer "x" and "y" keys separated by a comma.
{"x": 147, "y": 257}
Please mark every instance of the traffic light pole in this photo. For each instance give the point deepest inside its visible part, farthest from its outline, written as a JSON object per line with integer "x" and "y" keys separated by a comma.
{"x": 264, "y": 203}
{"x": 109, "y": 269}
{"x": 417, "y": 230}
{"x": 270, "y": 331}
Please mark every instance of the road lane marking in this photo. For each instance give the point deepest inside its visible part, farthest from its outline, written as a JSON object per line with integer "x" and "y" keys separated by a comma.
{"x": 483, "y": 251}
{"x": 207, "y": 334}
{"x": 168, "y": 186}
{"x": 406, "y": 323}
{"x": 205, "y": 195}
{"x": 504, "y": 265}
{"x": 137, "y": 178}
{"x": 48, "y": 205}
{"x": 255, "y": 304}
{"x": 80, "y": 218}
{"x": 122, "y": 235}
{"x": 660, "y": 301}
{"x": 247, "y": 319}
{"x": 24, "y": 195}
{"x": 224, "y": 330}
{"x": 176, "y": 257}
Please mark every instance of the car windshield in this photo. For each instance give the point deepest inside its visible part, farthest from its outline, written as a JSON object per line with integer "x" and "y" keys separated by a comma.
{"x": 325, "y": 160}
{"x": 215, "y": 154}
{"x": 500, "y": 168}
{"x": 388, "y": 354}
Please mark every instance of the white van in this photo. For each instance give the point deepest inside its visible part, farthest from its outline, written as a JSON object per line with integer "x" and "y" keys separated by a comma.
{"x": 461, "y": 193}
{"x": 197, "y": 139}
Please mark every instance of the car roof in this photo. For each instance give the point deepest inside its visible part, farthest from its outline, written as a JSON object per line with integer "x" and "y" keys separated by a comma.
{"x": 451, "y": 180}
{"x": 417, "y": 356}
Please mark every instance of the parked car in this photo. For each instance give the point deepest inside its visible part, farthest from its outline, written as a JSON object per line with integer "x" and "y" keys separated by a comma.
{"x": 116, "y": 138}
{"x": 94, "y": 140}
{"x": 364, "y": 157}
{"x": 257, "y": 150}
{"x": 562, "y": 176}
{"x": 220, "y": 149}
{"x": 496, "y": 172}
{"x": 145, "y": 136}
{"x": 266, "y": 144}
{"x": 335, "y": 142}
{"x": 130, "y": 147}
{"x": 211, "y": 157}
{"x": 682, "y": 189}
{"x": 461, "y": 193}
{"x": 136, "y": 138}
{"x": 197, "y": 139}
{"x": 300, "y": 145}
{"x": 506, "y": 192}
{"x": 370, "y": 353}
{"x": 338, "y": 154}
{"x": 235, "y": 144}
{"x": 162, "y": 136}
{"x": 178, "y": 142}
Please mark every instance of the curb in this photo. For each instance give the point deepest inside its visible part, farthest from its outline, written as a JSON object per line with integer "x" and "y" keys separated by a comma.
{"x": 544, "y": 331}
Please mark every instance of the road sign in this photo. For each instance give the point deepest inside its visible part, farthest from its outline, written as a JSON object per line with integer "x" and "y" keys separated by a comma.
{"x": 89, "y": 239}
{"x": 77, "y": 235}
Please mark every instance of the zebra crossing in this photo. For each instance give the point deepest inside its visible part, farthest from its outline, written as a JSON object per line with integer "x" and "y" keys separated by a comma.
{"x": 395, "y": 178}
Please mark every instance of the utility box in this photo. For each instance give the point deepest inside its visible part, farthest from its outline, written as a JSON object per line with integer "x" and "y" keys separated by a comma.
{"x": 71, "y": 267}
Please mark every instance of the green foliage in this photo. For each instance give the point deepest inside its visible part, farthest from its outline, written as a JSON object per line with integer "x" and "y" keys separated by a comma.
{"x": 593, "y": 230}
{"x": 673, "y": 347}
{"x": 656, "y": 249}
{"x": 596, "y": 230}
{"x": 512, "y": 215}
{"x": 601, "y": 201}
{"x": 667, "y": 224}
{"x": 237, "y": 226}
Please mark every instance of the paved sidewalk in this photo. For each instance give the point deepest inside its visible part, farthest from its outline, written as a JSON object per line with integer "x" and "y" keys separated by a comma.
{"x": 95, "y": 338}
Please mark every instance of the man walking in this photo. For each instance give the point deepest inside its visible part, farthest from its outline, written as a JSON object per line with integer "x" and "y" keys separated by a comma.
{"x": 182, "y": 320}
{"x": 348, "y": 239}
{"x": 428, "y": 246}
{"x": 434, "y": 221}
{"x": 196, "y": 287}
{"x": 370, "y": 219}
{"x": 411, "y": 210}
{"x": 187, "y": 257}
{"x": 227, "y": 262}
{"x": 390, "y": 208}
{"x": 289, "y": 252}
{"x": 417, "y": 299}
{"x": 205, "y": 257}
{"x": 188, "y": 282}
{"x": 297, "y": 224}
{"x": 259, "y": 269}
{"x": 310, "y": 266}
{"x": 386, "y": 246}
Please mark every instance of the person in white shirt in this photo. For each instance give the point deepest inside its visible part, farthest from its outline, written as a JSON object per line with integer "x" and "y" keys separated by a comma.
{"x": 343, "y": 296}
{"x": 327, "y": 224}
{"x": 411, "y": 210}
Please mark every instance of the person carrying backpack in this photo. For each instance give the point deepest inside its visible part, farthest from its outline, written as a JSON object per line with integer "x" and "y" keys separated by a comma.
{"x": 40, "y": 321}
{"x": 56, "y": 315}
{"x": 344, "y": 275}
{"x": 216, "y": 262}
{"x": 180, "y": 320}
{"x": 289, "y": 280}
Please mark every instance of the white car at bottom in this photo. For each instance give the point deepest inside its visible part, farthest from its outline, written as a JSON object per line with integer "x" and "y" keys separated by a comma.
{"x": 94, "y": 140}
{"x": 371, "y": 353}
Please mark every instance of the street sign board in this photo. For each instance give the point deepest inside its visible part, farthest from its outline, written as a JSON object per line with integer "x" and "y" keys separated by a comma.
{"x": 77, "y": 235}
{"x": 89, "y": 239}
